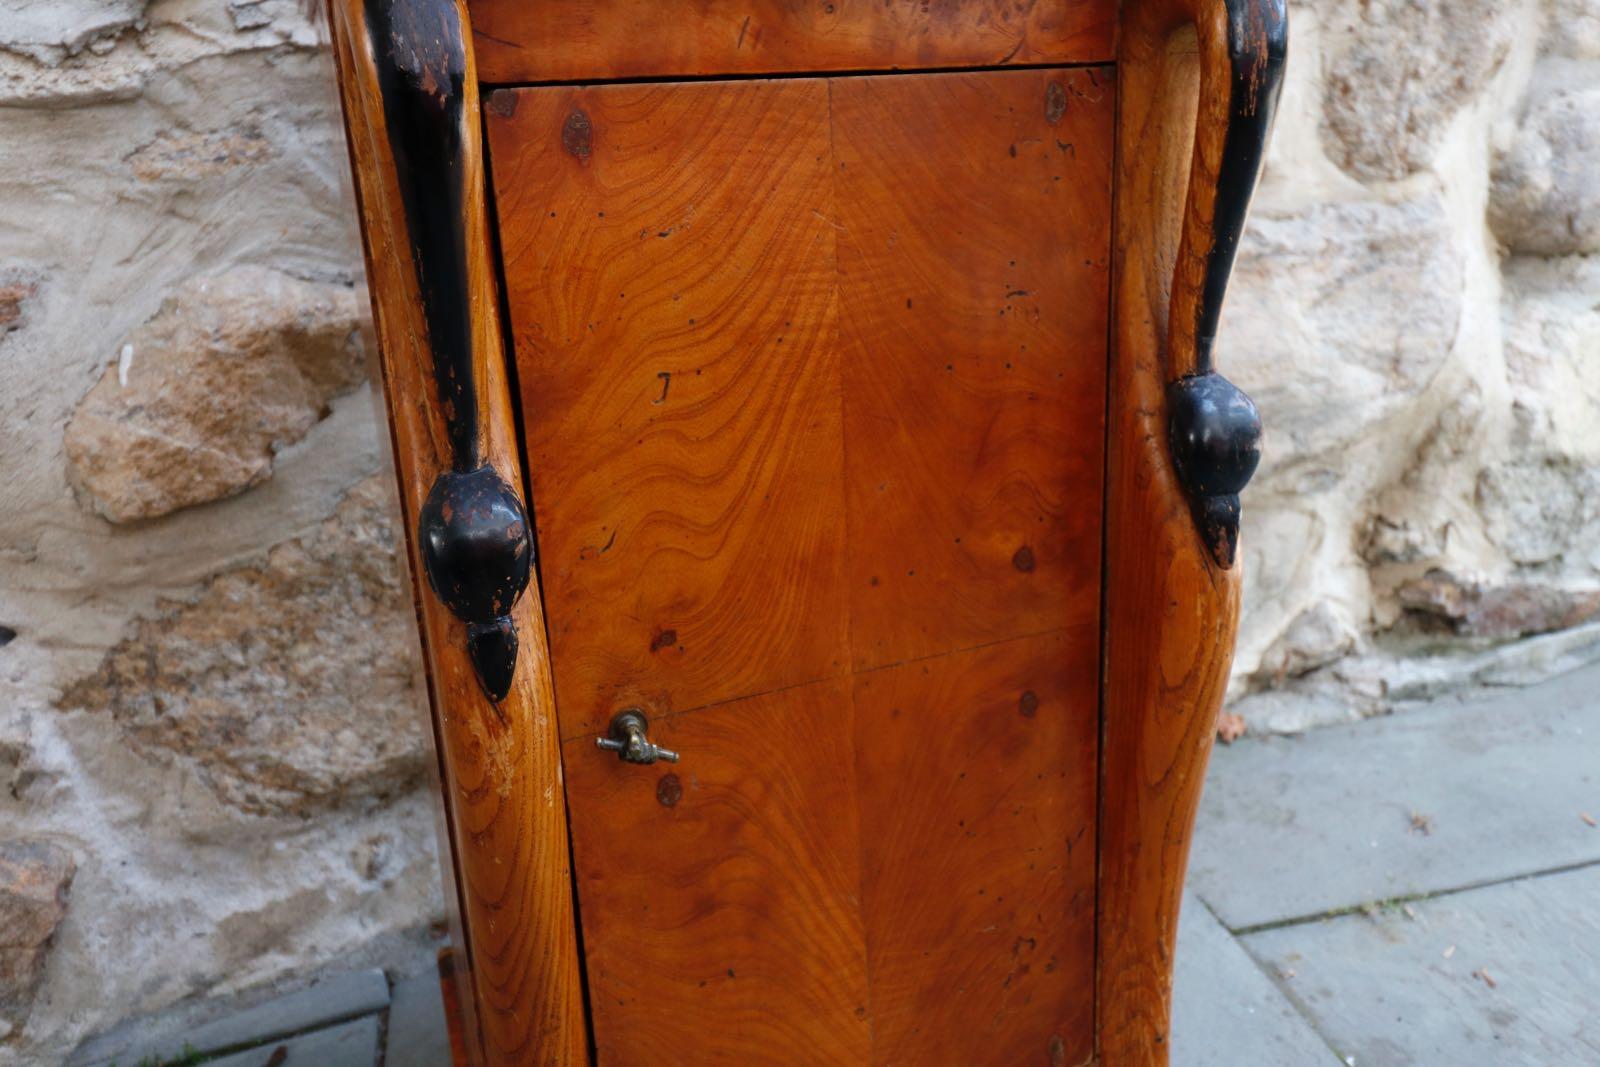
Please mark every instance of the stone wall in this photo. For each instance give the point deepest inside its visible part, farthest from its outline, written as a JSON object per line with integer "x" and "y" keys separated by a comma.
{"x": 212, "y": 770}
{"x": 1417, "y": 312}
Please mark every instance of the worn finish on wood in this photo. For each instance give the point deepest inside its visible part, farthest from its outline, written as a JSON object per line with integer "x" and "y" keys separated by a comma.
{"x": 456, "y": 997}
{"x": 472, "y": 530}
{"x": 500, "y": 765}
{"x": 721, "y": 919}
{"x": 814, "y": 423}
{"x": 520, "y": 41}
{"x": 976, "y": 777}
{"x": 1214, "y": 428}
{"x": 974, "y": 244}
{"x": 1172, "y": 600}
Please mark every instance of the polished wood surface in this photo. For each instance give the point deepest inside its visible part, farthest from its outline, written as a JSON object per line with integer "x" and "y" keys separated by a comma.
{"x": 505, "y": 804}
{"x": 722, "y": 923}
{"x": 674, "y": 302}
{"x": 1172, "y": 601}
{"x": 976, "y": 783}
{"x": 521, "y": 41}
{"x": 974, "y": 247}
{"x": 832, "y": 478}
{"x": 758, "y": 325}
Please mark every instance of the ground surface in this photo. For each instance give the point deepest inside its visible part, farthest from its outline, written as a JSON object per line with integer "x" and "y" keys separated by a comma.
{"x": 1417, "y": 890}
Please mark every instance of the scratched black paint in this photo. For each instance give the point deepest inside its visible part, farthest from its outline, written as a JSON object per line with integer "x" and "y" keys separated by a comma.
{"x": 1215, "y": 432}
{"x": 493, "y": 648}
{"x": 1258, "y": 48}
{"x": 478, "y": 555}
{"x": 475, "y": 544}
{"x": 422, "y": 67}
{"x": 1214, "y": 428}
{"x": 477, "y": 549}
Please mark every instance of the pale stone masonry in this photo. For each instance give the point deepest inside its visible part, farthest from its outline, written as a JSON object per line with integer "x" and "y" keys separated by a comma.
{"x": 209, "y": 736}
{"x": 233, "y": 369}
{"x": 1417, "y": 312}
{"x": 211, "y": 766}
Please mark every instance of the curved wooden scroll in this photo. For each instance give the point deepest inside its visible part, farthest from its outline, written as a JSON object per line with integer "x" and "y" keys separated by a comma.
{"x": 410, "y": 99}
{"x": 1198, "y": 81}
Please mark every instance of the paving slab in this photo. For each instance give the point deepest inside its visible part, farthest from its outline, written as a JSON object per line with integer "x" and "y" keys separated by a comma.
{"x": 417, "y": 1028}
{"x": 1501, "y": 977}
{"x": 323, "y": 1003}
{"x": 352, "y": 1044}
{"x": 1448, "y": 796}
{"x": 1226, "y": 1012}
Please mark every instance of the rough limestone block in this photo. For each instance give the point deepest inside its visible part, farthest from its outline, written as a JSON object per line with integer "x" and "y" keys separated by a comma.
{"x": 1544, "y": 194}
{"x": 287, "y": 685}
{"x": 1406, "y": 70}
{"x": 232, "y": 368}
{"x": 35, "y": 877}
{"x": 1339, "y": 316}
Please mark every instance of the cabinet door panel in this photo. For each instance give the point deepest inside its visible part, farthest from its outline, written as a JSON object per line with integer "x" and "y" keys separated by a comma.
{"x": 976, "y": 778}
{"x": 813, "y": 382}
{"x": 974, "y": 244}
{"x": 719, "y": 897}
{"x": 670, "y": 268}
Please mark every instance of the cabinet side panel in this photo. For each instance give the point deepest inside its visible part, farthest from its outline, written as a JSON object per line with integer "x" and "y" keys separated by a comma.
{"x": 500, "y": 761}
{"x": 1172, "y": 599}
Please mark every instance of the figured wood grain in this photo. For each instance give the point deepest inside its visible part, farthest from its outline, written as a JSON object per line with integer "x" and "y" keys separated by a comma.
{"x": 571, "y": 40}
{"x": 499, "y": 765}
{"x": 977, "y": 787}
{"x": 674, "y": 301}
{"x": 698, "y": 441}
{"x": 974, "y": 215}
{"x": 1171, "y": 609}
{"x": 719, "y": 896}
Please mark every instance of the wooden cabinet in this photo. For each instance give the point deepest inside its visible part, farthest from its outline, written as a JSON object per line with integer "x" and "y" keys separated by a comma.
{"x": 823, "y": 393}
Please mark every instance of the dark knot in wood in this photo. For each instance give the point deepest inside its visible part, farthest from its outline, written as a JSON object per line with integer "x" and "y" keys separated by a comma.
{"x": 1215, "y": 432}
{"x": 478, "y": 554}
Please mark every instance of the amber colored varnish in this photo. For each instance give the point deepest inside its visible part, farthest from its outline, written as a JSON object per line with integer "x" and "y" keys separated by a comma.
{"x": 1171, "y": 612}
{"x": 520, "y": 41}
{"x": 499, "y": 765}
{"x": 813, "y": 376}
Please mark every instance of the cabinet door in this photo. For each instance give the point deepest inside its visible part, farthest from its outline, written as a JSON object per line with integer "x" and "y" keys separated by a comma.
{"x": 813, "y": 381}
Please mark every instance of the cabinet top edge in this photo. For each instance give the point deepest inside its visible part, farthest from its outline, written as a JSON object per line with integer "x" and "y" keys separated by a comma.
{"x": 544, "y": 41}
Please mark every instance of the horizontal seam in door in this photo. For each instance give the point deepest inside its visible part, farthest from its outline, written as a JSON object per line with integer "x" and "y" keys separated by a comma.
{"x": 858, "y": 672}
{"x": 790, "y": 75}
